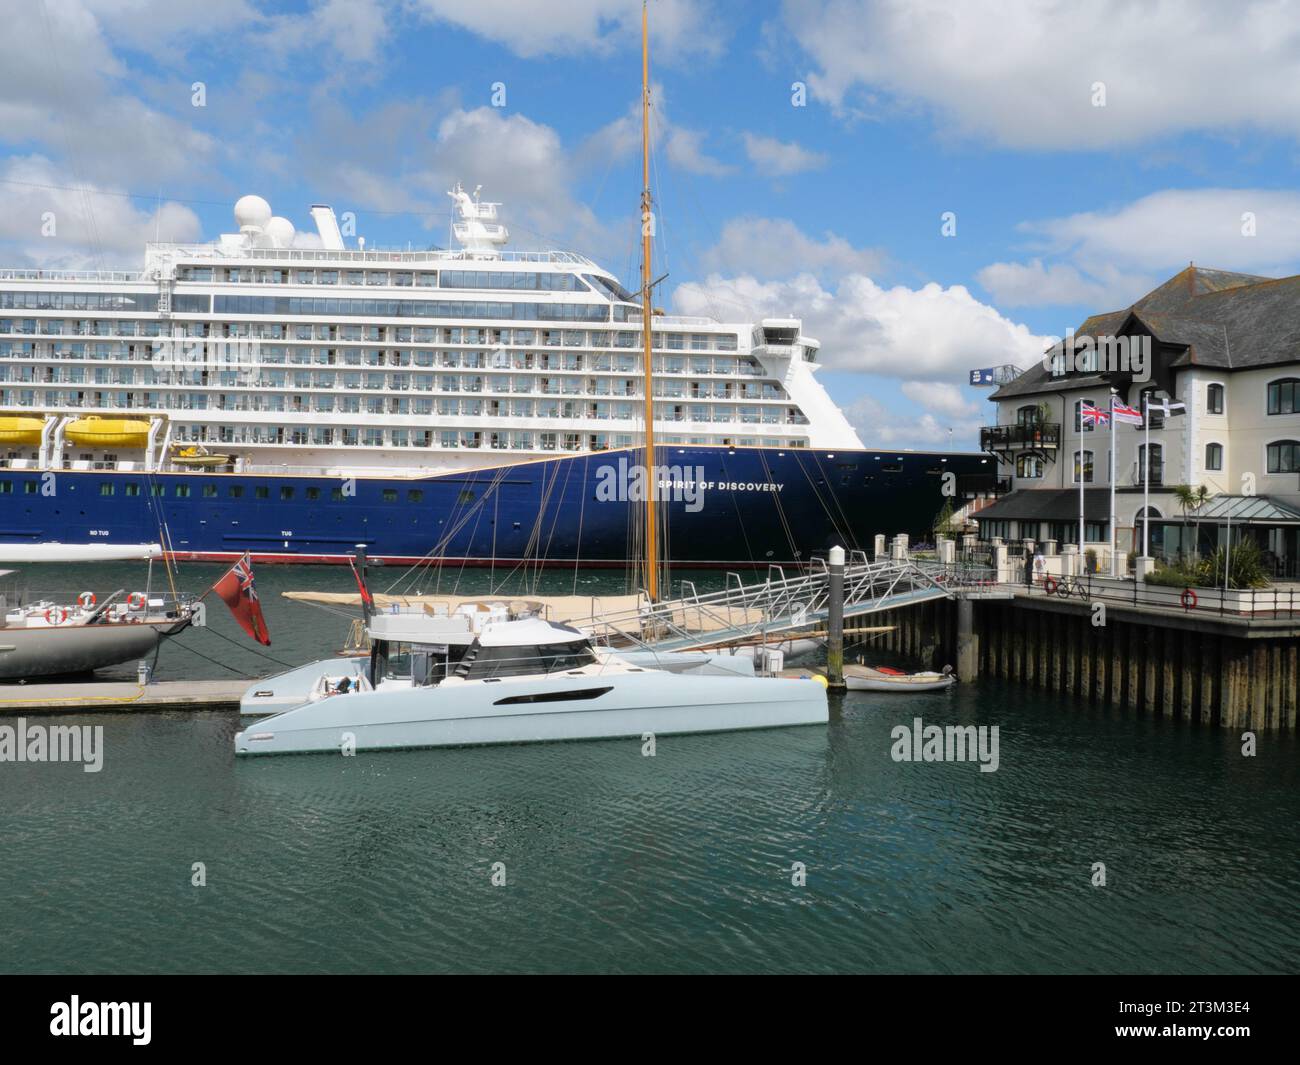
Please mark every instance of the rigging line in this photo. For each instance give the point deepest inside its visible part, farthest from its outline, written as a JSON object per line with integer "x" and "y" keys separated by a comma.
{"x": 780, "y": 510}
{"x": 555, "y": 521}
{"x": 847, "y": 534}
{"x": 582, "y": 510}
{"x": 251, "y": 650}
{"x": 830, "y": 488}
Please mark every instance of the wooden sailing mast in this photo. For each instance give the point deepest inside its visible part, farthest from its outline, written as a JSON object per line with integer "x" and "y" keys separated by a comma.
{"x": 651, "y": 482}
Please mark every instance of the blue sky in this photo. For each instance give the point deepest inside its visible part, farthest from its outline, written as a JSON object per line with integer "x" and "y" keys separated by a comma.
{"x": 1088, "y": 151}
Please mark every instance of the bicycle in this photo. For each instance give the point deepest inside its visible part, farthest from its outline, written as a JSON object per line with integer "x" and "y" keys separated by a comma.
{"x": 1066, "y": 588}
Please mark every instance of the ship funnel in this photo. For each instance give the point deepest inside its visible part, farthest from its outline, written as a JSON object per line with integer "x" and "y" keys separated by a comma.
{"x": 327, "y": 226}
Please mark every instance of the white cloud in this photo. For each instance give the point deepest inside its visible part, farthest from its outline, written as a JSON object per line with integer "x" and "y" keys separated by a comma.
{"x": 60, "y": 93}
{"x": 1034, "y": 284}
{"x": 889, "y": 424}
{"x": 1107, "y": 259}
{"x": 93, "y": 227}
{"x": 677, "y": 27}
{"x": 942, "y": 398}
{"x": 621, "y": 138}
{"x": 685, "y": 149}
{"x": 775, "y": 247}
{"x": 777, "y": 158}
{"x": 925, "y": 334}
{"x": 1022, "y": 71}
{"x": 343, "y": 30}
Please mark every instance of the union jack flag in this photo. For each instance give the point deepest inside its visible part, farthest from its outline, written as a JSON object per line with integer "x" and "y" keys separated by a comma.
{"x": 1091, "y": 415}
{"x": 244, "y": 571}
{"x": 1126, "y": 414}
{"x": 238, "y": 592}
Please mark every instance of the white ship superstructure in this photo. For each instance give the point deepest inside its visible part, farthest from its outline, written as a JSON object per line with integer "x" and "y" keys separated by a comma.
{"x": 266, "y": 352}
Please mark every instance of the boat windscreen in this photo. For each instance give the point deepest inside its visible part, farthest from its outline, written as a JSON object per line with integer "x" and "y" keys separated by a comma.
{"x": 483, "y": 662}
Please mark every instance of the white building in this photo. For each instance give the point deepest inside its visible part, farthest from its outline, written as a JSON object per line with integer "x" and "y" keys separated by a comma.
{"x": 1225, "y": 344}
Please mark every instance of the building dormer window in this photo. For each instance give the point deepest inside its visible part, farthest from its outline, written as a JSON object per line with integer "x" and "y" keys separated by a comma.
{"x": 1282, "y": 396}
{"x": 1214, "y": 399}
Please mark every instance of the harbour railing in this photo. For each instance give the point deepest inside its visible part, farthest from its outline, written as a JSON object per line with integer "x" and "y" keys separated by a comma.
{"x": 1276, "y": 601}
{"x": 752, "y": 613}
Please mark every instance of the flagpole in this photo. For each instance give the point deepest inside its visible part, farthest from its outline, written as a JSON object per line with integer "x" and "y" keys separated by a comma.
{"x": 1146, "y": 474}
{"x": 1114, "y": 562}
{"x": 1082, "y": 568}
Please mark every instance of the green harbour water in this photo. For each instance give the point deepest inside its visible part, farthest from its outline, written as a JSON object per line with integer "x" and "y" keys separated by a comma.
{"x": 617, "y": 862}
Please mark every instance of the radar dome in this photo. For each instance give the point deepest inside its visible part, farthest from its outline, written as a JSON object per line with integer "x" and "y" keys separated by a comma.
{"x": 281, "y": 231}
{"x": 252, "y": 211}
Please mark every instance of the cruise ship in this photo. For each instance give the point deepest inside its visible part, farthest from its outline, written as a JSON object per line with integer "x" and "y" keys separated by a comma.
{"x": 296, "y": 394}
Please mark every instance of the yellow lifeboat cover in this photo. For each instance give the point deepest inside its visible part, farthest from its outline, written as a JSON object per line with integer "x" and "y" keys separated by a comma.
{"x": 109, "y": 432}
{"x": 18, "y": 430}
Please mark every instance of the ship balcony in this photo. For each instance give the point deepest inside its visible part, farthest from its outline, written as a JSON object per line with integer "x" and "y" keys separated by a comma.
{"x": 1005, "y": 441}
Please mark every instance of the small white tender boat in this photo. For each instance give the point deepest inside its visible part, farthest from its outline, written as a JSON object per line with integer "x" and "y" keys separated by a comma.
{"x": 526, "y": 681}
{"x": 884, "y": 679}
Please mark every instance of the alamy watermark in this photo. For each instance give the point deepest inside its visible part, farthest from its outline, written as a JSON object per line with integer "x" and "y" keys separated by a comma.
{"x": 626, "y": 482}
{"x": 53, "y": 743}
{"x": 920, "y": 742}
{"x": 1100, "y": 354}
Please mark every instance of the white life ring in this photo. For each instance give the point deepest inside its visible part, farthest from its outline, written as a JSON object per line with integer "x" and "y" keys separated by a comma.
{"x": 56, "y": 612}
{"x": 87, "y": 600}
{"x": 136, "y": 601}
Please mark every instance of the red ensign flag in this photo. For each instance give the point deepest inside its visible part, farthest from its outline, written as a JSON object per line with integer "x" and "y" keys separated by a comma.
{"x": 236, "y": 588}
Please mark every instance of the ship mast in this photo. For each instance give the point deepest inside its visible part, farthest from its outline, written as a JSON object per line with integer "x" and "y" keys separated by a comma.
{"x": 647, "y": 229}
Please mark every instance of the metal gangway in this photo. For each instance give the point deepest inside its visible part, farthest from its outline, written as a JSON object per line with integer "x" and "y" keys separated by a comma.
{"x": 781, "y": 606}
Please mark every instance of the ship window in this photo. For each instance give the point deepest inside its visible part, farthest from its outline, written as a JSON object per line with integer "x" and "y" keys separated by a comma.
{"x": 415, "y": 495}
{"x": 131, "y": 489}
{"x": 262, "y": 492}
{"x": 209, "y": 491}
{"x": 390, "y": 495}
{"x": 286, "y": 491}
{"x": 31, "y": 488}
{"x": 313, "y": 493}
{"x": 6, "y": 488}
{"x": 466, "y": 496}
{"x": 182, "y": 491}
{"x": 105, "y": 488}
{"x": 236, "y": 491}
{"x": 155, "y": 489}
{"x": 336, "y": 495}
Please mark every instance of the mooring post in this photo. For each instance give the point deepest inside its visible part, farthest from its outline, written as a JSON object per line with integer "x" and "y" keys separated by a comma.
{"x": 968, "y": 644}
{"x": 361, "y": 579}
{"x": 835, "y": 626}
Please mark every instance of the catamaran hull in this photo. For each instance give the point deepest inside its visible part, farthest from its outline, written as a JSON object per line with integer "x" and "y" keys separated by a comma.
{"x": 473, "y": 714}
{"x": 64, "y": 650}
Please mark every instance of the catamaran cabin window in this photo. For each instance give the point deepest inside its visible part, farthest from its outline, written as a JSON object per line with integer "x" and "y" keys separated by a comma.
{"x": 481, "y": 662}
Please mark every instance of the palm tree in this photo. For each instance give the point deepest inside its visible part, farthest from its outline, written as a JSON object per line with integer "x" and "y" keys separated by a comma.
{"x": 1191, "y": 500}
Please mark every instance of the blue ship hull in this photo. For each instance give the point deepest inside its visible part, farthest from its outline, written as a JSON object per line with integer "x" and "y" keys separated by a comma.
{"x": 730, "y": 507}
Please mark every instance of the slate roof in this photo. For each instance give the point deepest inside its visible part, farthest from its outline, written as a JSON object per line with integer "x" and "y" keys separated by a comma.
{"x": 1216, "y": 318}
{"x": 1048, "y": 504}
